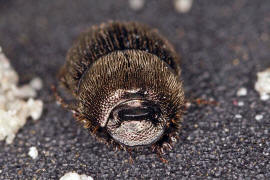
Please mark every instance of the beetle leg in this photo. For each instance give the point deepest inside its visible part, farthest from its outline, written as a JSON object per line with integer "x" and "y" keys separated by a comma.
{"x": 62, "y": 102}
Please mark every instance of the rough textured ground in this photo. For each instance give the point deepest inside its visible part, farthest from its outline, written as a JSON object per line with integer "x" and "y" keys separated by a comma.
{"x": 223, "y": 45}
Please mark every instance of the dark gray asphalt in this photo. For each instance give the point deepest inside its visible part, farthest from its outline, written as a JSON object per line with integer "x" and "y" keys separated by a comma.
{"x": 223, "y": 45}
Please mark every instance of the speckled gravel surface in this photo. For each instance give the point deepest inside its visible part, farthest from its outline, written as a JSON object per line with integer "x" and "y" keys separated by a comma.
{"x": 223, "y": 45}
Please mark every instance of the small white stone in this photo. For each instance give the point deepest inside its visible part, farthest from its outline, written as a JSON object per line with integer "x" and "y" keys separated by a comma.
{"x": 33, "y": 152}
{"x": 136, "y": 4}
{"x": 259, "y": 117}
{"x": 265, "y": 97}
{"x": 242, "y": 92}
{"x": 36, "y": 83}
{"x": 75, "y": 176}
{"x": 183, "y": 6}
{"x": 263, "y": 84}
{"x": 9, "y": 125}
{"x": 188, "y": 104}
{"x": 238, "y": 116}
{"x": 25, "y": 91}
{"x": 241, "y": 103}
{"x": 36, "y": 107}
{"x": 70, "y": 176}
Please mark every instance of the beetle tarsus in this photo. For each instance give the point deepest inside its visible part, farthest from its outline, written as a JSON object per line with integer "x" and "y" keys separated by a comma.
{"x": 61, "y": 101}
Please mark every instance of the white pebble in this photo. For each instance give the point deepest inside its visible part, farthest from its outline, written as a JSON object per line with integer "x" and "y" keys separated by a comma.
{"x": 136, "y": 4}
{"x": 265, "y": 97}
{"x": 259, "y": 117}
{"x": 183, "y": 6}
{"x": 188, "y": 104}
{"x": 36, "y": 83}
{"x": 241, "y": 92}
{"x": 25, "y": 91}
{"x": 263, "y": 84}
{"x": 238, "y": 116}
{"x": 75, "y": 176}
{"x": 33, "y": 152}
{"x": 36, "y": 106}
{"x": 241, "y": 103}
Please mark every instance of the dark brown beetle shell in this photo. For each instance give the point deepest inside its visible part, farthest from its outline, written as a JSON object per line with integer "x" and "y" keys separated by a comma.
{"x": 125, "y": 79}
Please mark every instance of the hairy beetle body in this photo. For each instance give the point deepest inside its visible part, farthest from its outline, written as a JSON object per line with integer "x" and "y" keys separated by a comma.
{"x": 125, "y": 79}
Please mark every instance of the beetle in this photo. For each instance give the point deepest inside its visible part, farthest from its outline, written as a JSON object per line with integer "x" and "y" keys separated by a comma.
{"x": 125, "y": 79}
